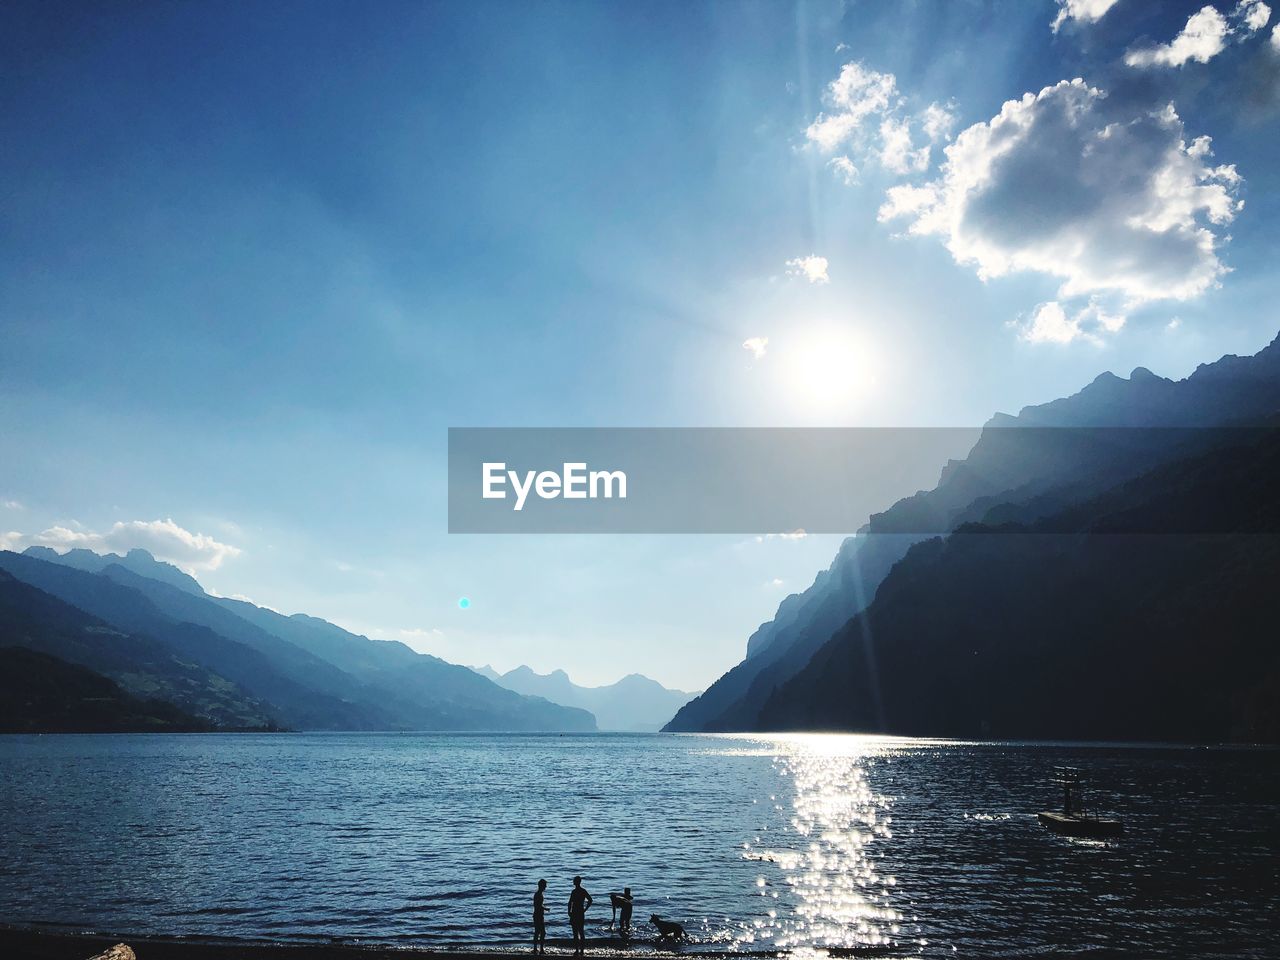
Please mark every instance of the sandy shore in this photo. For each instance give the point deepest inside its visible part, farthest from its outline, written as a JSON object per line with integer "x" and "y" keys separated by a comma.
{"x": 21, "y": 944}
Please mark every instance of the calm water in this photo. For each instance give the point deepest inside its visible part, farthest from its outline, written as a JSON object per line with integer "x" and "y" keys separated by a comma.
{"x": 752, "y": 842}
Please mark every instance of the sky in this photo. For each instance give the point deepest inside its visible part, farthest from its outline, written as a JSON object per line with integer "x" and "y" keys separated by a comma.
{"x": 256, "y": 259}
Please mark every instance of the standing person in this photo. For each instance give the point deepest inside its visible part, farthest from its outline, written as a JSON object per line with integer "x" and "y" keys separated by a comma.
{"x": 539, "y": 919}
{"x": 579, "y": 901}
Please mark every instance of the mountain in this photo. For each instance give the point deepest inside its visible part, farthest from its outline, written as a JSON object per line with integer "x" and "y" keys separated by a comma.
{"x": 1081, "y": 625}
{"x": 635, "y": 703}
{"x": 312, "y": 674}
{"x": 137, "y": 560}
{"x": 434, "y": 693}
{"x": 1035, "y": 463}
{"x": 143, "y": 666}
{"x": 304, "y": 692}
{"x": 42, "y": 694}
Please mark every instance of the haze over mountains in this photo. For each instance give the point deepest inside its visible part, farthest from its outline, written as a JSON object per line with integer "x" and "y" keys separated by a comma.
{"x": 635, "y": 703}
{"x": 1071, "y": 620}
{"x": 1026, "y": 595}
{"x": 152, "y": 631}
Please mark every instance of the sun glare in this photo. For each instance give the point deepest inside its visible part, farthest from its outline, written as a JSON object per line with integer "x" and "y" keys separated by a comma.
{"x": 827, "y": 369}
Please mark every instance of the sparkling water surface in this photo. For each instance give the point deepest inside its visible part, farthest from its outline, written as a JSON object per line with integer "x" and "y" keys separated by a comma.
{"x": 930, "y": 848}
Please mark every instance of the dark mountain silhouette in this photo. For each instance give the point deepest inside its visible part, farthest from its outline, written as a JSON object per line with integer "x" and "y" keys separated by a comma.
{"x": 300, "y": 698}
{"x": 1031, "y": 465}
{"x": 42, "y": 694}
{"x": 1081, "y": 625}
{"x": 314, "y": 675}
{"x": 635, "y": 703}
{"x": 143, "y": 666}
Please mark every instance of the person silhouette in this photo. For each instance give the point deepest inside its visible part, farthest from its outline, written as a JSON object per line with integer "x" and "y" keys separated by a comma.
{"x": 539, "y": 919}
{"x": 624, "y": 912}
{"x": 579, "y": 901}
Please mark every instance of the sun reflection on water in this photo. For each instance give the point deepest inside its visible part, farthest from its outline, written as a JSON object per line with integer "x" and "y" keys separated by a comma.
{"x": 835, "y": 825}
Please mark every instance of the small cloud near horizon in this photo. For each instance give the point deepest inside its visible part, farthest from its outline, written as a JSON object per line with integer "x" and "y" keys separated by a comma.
{"x": 163, "y": 539}
{"x": 757, "y": 346}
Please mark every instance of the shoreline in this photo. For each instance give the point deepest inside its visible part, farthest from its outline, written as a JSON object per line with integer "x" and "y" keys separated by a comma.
{"x": 33, "y": 943}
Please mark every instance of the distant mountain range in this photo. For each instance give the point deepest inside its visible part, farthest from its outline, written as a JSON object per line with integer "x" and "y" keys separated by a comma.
{"x": 635, "y": 703}
{"x": 152, "y": 631}
{"x": 1046, "y": 609}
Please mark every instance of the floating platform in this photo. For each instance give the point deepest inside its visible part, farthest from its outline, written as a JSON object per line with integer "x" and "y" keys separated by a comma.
{"x": 1072, "y": 825}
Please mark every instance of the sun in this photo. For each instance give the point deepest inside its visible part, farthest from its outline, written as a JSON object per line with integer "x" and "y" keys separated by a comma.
{"x": 827, "y": 368}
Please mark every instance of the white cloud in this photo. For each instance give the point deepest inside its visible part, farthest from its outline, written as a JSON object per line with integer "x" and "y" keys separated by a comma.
{"x": 865, "y": 116}
{"x": 1085, "y": 11}
{"x": 1275, "y": 39}
{"x": 758, "y": 346}
{"x": 1253, "y": 14}
{"x": 937, "y": 122}
{"x": 1173, "y": 324}
{"x": 1126, "y": 210}
{"x": 813, "y": 268}
{"x": 897, "y": 152}
{"x": 855, "y": 95}
{"x": 1205, "y": 35}
{"x": 793, "y": 535}
{"x": 12, "y": 540}
{"x": 1050, "y": 323}
{"x": 775, "y": 582}
{"x": 163, "y": 539}
{"x": 11, "y": 505}
{"x": 1202, "y": 39}
{"x": 846, "y": 169}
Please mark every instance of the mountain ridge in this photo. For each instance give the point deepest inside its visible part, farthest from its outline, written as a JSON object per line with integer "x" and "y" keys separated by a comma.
{"x": 634, "y": 703}
{"x": 1007, "y": 457}
{"x": 384, "y": 686}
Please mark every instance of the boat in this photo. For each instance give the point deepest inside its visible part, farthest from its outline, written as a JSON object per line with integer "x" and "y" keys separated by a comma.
{"x": 1074, "y": 820}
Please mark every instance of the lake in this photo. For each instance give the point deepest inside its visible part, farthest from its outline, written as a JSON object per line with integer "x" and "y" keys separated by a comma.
{"x": 752, "y": 842}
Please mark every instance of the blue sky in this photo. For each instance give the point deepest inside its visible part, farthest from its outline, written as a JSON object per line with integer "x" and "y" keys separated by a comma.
{"x": 258, "y": 258}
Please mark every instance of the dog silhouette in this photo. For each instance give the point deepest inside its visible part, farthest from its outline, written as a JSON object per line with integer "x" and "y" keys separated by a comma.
{"x": 667, "y": 929}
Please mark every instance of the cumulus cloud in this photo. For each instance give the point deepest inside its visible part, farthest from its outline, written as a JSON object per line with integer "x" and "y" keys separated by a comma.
{"x": 897, "y": 152}
{"x": 813, "y": 268}
{"x": 756, "y": 346}
{"x": 1126, "y": 209}
{"x": 857, "y": 94}
{"x": 865, "y": 115}
{"x": 1252, "y": 16}
{"x": 845, "y": 169}
{"x": 937, "y": 121}
{"x": 1275, "y": 38}
{"x": 13, "y": 540}
{"x": 1206, "y": 34}
{"x": 1084, "y": 11}
{"x": 1050, "y": 323}
{"x": 164, "y": 539}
